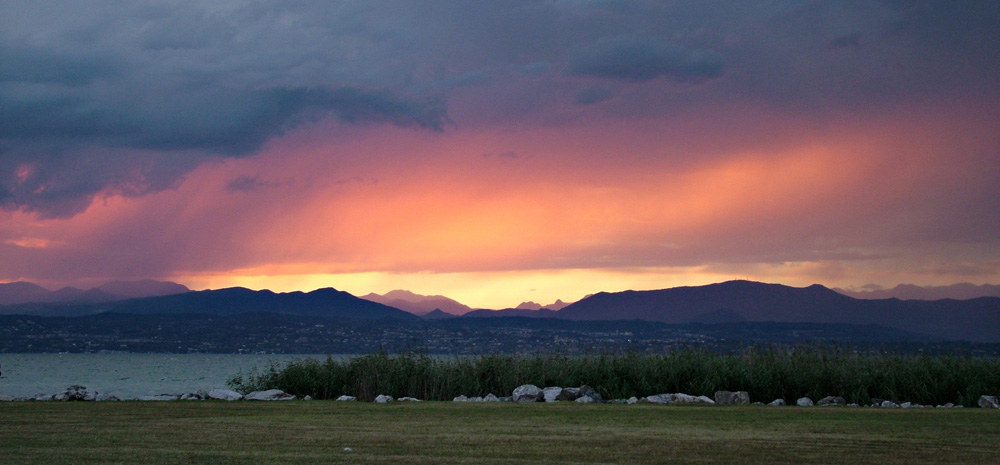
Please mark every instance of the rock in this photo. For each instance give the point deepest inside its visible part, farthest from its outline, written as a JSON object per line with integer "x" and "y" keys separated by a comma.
{"x": 853, "y": 405}
{"x": 346, "y": 398}
{"x": 383, "y": 399}
{"x": 948, "y": 405}
{"x": 678, "y": 398}
{"x": 491, "y": 398}
{"x": 569, "y": 394}
{"x": 6, "y": 398}
{"x": 804, "y": 402}
{"x": 732, "y": 398}
{"x": 551, "y": 394}
{"x": 777, "y": 402}
{"x": 507, "y": 399}
{"x": 224, "y": 394}
{"x": 831, "y": 400}
{"x": 78, "y": 393}
{"x": 589, "y": 392}
{"x": 461, "y": 398}
{"x": 408, "y": 399}
{"x": 307, "y": 398}
{"x": 989, "y": 402}
{"x": 888, "y": 404}
{"x": 528, "y": 393}
{"x": 585, "y": 400}
{"x": 632, "y": 400}
{"x": 44, "y": 397}
{"x": 270, "y": 394}
{"x": 191, "y": 396}
{"x": 658, "y": 399}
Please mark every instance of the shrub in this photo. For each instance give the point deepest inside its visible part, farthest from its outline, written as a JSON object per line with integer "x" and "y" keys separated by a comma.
{"x": 765, "y": 372}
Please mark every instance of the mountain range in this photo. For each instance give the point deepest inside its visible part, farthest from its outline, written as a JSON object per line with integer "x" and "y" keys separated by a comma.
{"x": 22, "y": 292}
{"x": 425, "y": 305}
{"x": 419, "y": 304}
{"x": 732, "y": 302}
{"x": 960, "y": 291}
{"x": 735, "y": 301}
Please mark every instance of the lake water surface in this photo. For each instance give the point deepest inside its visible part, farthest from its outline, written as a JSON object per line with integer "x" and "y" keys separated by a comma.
{"x": 127, "y": 375}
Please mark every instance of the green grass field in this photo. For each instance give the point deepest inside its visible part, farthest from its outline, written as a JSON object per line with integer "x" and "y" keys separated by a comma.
{"x": 192, "y": 432}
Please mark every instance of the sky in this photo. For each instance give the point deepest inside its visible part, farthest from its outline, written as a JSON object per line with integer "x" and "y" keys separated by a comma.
{"x": 503, "y": 151}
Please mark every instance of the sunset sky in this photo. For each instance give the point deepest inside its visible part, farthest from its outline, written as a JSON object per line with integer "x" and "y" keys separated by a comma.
{"x": 502, "y": 151}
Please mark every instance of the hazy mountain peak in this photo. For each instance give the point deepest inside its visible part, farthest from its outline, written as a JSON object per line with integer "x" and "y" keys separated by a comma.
{"x": 418, "y": 304}
{"x": 19, "y": 292}
{"x": 529, "y": 305}
{"x": 143, "y": 288}
{"x": 959, "y": 291}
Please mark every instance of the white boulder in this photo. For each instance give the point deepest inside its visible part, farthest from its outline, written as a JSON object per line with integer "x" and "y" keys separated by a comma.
{"x": 224, "y": 394}
{"x": 528, "y": 393}
{"x": 551, "y": 393}
{"x": 270, "y": 394}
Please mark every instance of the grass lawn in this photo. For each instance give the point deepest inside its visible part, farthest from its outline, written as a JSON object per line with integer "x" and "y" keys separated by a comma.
{"x": 193, "y": 432}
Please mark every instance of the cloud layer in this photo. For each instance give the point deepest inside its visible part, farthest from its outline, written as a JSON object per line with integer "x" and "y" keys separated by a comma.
{"x": 831, "y": 140}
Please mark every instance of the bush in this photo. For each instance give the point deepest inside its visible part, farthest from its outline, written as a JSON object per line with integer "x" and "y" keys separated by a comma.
{"x": 765, "y": 372}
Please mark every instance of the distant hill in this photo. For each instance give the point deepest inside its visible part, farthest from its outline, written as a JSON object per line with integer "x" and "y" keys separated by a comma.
{"x": 418, "y": 304}
{"x": 437, "y": 314}
{"x": 734, "y": 301}
{"x": 143, "y": 288}
{"x": 960, "y": 291}
{"x": 74, "y": 295}
{"x": 21, "y": 292}
{"x": 327, "y": 302}
{"x": 529, "y": 305}
{"x": 511, "y": 312}
{"x": 24, "y": 292}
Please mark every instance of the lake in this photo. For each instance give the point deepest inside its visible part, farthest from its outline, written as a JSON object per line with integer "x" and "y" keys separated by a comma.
{"x": 127, "y": 375}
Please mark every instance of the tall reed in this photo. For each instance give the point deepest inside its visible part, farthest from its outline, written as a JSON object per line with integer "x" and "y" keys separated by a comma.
{"x": 767, "y": 373}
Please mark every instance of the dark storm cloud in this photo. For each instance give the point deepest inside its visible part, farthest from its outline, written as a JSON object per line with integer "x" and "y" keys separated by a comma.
{"x": 213, "y": 118}
{"x": 639, "y": 60}
{"x": 143, "y": 147}
{"x": 128, "y": 97}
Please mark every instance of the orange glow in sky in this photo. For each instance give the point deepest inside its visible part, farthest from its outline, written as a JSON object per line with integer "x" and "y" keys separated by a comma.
{"x": 546, "y": 151}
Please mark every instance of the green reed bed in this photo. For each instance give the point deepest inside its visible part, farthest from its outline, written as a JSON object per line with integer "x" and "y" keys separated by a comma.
{"x": 766, "y": 373}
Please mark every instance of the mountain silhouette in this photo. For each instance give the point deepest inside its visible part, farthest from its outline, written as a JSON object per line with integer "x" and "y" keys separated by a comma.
{"x": 327, "y": 302}
{"x": 418, "y": 304}
{"x": 961, "y": 291}
{"x": 143, "y": 288}
{"x": 511, "y": 312}
{"x": 529, "y": 305}
{"x": 22, "y": 292}
{"x": 973, "y": 320}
